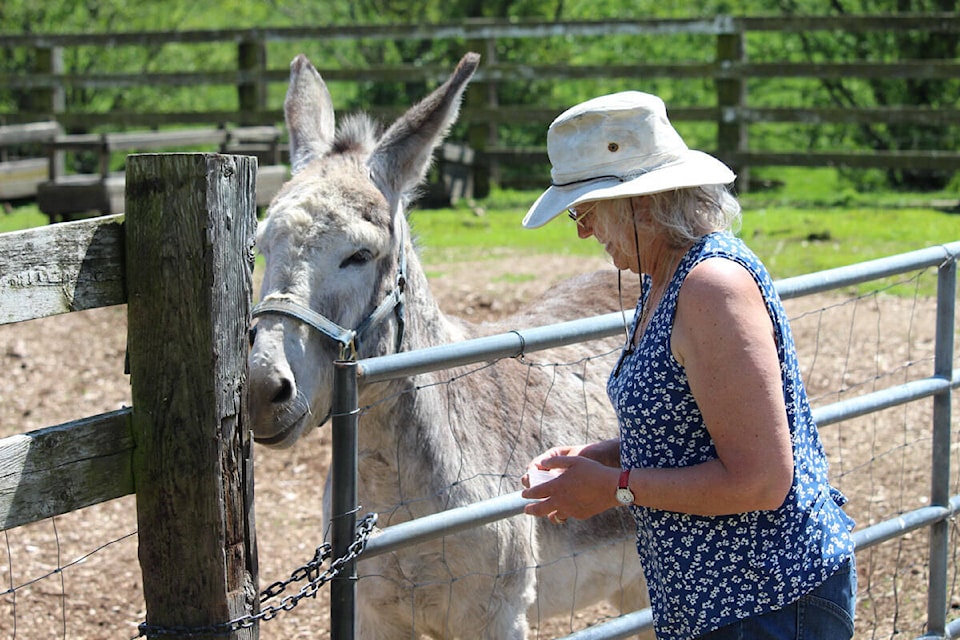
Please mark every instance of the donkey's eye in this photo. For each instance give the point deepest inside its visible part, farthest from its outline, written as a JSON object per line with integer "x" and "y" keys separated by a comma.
{"x": 358, "y": 258}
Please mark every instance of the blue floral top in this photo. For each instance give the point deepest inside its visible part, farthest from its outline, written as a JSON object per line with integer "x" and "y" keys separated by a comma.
{"x": 706, "y": 572}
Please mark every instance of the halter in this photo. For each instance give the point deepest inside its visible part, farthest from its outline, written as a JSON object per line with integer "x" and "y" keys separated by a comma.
{"x": 349, "y": 339}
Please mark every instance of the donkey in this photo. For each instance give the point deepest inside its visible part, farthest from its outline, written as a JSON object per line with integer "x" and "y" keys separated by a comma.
{"x": 338, "y": 254}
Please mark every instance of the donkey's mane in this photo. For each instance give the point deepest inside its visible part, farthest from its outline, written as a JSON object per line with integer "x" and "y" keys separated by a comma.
{"x": 358, "y": 133}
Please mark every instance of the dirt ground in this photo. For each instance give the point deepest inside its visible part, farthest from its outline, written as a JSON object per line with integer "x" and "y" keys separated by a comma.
{"x": 63, "y": 368}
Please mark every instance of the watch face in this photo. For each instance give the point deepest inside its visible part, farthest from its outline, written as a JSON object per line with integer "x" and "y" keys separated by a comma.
{"x": 625, "y": 496}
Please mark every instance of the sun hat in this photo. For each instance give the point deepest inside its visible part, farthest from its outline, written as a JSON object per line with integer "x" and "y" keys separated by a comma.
{"x": 616, "y": 146}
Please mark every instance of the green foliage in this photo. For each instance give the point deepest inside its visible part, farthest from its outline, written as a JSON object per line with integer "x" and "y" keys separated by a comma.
{"x": 104, "y": 16}
{"x": 872, "y": 46}
{"x": 64, "y": 16}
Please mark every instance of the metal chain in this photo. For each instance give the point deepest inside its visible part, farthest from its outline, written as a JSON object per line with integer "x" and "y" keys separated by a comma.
{"x": 311, "y": 572}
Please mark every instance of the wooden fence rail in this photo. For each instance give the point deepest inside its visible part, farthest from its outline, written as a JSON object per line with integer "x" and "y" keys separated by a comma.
{"x": 735, "y": 110}
{"x": 181, "y": 260}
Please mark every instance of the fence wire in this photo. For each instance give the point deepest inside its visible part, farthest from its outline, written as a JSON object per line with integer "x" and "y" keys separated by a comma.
{"x": 862, "y": 342}
{"x": 77, "y": 575}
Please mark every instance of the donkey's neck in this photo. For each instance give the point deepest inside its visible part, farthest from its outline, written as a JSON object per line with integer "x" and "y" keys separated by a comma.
{"x": 408, "y": 445}
{"x": 427, "y": 324}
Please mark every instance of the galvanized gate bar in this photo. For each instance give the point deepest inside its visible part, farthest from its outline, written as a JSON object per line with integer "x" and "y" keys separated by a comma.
{"x": 904, "y": 523}
{"x": 514, "y": 343}
{"x": 866, "y": 271}
{"x": 444, "y": 523}
{"x": 620, "y": 628}
{"x": 953, "y": 629}
{"x": 937, "y": 598}
{"x": 343, "y": 467}
{"x": 480, "y": 513}
{"x": 884, "y": 399}
{"x": 503, "y": 345}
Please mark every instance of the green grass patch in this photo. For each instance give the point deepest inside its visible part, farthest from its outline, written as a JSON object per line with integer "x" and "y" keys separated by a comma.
{"x": 802, "y": 222}
{"x": 794, "y": 241}
{"x": 792, "y": 228}
{"x": 806, "y": 187}
{"x": 490, "y": 232}
{"x": 24, "y": 217}
{"x": 515, "y": 278}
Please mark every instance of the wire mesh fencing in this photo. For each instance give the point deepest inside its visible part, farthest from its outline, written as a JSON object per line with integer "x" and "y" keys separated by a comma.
{"x": 77, "y": 576}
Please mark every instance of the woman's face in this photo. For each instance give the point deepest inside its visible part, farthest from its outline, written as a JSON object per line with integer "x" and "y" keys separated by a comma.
{"x": 612, "y": 232}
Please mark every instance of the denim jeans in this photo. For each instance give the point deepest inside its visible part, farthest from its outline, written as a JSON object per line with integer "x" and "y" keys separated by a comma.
{"x": 826, "y": 613}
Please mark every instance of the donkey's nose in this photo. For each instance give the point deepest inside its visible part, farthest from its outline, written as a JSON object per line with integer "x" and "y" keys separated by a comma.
{"x": 284, "y": 391}
{"x": 272, "y": 382}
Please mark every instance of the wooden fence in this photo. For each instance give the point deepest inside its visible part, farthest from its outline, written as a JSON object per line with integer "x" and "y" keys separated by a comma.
{"x": 22, "y": 173}
{"x": 184, "y": 447}
{"x": 64, "y": 197}
{"x": 262, "y": 55}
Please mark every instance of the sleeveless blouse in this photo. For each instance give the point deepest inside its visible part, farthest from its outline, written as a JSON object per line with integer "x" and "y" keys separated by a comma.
{"x": 706, "y": 572}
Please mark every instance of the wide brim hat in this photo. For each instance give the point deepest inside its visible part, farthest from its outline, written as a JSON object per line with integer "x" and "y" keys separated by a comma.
{"x": 617, "y": 146}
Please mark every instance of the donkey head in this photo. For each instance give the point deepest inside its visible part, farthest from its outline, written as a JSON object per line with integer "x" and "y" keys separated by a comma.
{"x": 334, "y": 245}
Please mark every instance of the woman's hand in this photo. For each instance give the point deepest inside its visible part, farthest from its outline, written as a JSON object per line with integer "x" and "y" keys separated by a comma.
{"x": 583, "y": 488}
{"x": 540, "y": 461}
{"x": 606, "y": 452}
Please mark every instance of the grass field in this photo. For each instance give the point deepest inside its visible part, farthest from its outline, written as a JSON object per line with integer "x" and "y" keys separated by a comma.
{"x": 808, "y": 222}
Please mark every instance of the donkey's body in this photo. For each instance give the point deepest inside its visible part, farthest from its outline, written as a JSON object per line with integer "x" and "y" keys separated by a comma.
{"x": 334, "y": 240}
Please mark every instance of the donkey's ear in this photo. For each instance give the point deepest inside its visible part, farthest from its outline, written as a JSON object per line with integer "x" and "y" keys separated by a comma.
{"x": 309, "y": 113}
{"x": 402, "y": 156}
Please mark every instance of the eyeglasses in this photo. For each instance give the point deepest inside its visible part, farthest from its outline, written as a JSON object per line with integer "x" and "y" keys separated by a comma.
{"x": 577, "y": 214}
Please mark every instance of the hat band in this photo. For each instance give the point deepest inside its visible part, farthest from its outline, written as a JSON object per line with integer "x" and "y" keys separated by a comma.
{"x": 573, "y": 182}
{"x": 667, "y": 158}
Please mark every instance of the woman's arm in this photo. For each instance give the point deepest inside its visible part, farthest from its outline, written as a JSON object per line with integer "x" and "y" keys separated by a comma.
{"x": 724, "y": 338}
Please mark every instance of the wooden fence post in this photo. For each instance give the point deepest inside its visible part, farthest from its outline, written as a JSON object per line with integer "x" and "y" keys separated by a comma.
{"x": 48, "y": 102}
{"x": 482, "y": 136}
{"x": 731, "y": 97}
{"x": 190, "y": 225}
{"x": 252, "y": 92}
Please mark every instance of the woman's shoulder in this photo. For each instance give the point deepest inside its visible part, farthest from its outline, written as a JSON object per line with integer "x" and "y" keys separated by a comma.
{"x": 718, "y": 277}
{"x": 722, "y": 250}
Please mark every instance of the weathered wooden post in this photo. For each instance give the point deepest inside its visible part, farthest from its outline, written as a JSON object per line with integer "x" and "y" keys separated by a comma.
{"x": 190, "y": 227}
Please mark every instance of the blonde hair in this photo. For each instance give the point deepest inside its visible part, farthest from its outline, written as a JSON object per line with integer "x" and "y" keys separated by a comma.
{"x": 683, "y": 216}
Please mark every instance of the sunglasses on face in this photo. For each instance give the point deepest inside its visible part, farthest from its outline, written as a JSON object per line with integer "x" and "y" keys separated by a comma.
{"x": 577, "y": 214}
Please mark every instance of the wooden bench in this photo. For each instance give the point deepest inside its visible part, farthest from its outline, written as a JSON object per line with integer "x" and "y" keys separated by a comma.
{"x": 21, "y": 173}
{"x": 71, "y": 196}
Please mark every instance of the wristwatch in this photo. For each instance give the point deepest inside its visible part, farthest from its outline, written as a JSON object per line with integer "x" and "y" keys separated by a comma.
{"x": 624, "y": 494}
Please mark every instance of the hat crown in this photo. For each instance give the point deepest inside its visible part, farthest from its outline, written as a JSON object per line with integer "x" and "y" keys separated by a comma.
{"x": 620, "y": 135}
{"x": 618, "y": 146}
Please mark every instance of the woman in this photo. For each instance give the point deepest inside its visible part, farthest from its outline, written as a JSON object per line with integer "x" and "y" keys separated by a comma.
{"x": 739, "y": 532}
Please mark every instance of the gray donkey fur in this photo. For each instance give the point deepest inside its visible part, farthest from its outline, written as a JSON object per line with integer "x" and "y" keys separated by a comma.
{"x": 331, "y": 241}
